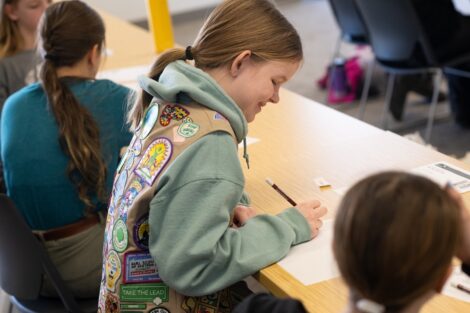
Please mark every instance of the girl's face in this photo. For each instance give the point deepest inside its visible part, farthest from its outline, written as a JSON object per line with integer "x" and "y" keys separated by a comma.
{"x": 26, "y": 13}
{"x": 258, "y": 83}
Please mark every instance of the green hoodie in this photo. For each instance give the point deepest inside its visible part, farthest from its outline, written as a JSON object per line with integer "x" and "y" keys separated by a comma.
{"x": 196, "y": 251}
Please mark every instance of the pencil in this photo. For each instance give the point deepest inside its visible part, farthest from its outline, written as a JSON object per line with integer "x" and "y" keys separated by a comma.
{"x": 282, "y": 193}
{"x": 461, "y": 287}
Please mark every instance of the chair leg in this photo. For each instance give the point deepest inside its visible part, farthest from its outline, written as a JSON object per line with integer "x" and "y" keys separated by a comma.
{"x": 432, "y": 109}
{"x": 388, "y": 98}
{"x": 365, "y": 90}
{"x": 335, "y": 55}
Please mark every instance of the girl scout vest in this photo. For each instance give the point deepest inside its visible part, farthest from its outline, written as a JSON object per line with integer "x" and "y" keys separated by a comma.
{"x": 130, "y": 281}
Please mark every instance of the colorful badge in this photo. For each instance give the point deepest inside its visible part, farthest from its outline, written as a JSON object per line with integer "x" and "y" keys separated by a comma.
{"x": 188, "y": 129}
{"x": 119, "y": 188}
{"x": 172, "y": 112}
{"x": 135, "y": 187}
{"x": 136, "y": 148}
{"x": 111, "y": 304}
{"x": 154, "y": 160}
{"x": 113, "y": 270}
{"x": 149, "y": 120}
{"x": 144, "y": 292}
{"x": 159, "y": 310}
{"x": 139, "y": 267}
{"x": 141, "y": 232}
{"x": 120, "y": 237}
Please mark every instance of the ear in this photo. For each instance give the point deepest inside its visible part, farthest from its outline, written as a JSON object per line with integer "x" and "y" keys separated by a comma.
{"x": 443, "y": 280}
{"x": 94, "y": 55}
{"x": 239, "y": 62}
{"x": 10, "y": 11}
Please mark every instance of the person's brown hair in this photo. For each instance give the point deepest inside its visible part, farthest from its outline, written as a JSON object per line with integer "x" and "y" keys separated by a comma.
{"x": 394, "y": 238}
{"x": 232, "y": 27}
{"x": 10, "y": 37}
{"x": 68, "y": 31}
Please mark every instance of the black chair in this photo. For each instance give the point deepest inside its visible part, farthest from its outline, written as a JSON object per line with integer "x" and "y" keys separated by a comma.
{"x": 400, "y": 46}
{"x": 352, "y": 30}
{"x": 24, "y": 261}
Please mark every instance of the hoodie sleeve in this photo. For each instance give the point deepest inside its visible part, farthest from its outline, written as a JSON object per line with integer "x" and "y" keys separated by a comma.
{"x": 196, "y": 251}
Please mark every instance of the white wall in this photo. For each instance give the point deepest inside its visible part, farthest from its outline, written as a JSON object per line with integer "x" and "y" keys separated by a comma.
{"x": 133, "y": 10}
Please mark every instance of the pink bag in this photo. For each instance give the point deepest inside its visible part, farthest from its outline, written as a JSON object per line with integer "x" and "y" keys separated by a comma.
{"x": 346, "y": 80}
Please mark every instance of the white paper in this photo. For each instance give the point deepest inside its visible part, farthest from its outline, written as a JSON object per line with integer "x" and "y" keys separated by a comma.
{"x": 126, "y": 76}
{"x": 341, "y": 191}
{"x": 443, "y": 173}
{"x": 457, "y": 277}
{"x": 313, "y": 261}
{"x": 249, "y": 141}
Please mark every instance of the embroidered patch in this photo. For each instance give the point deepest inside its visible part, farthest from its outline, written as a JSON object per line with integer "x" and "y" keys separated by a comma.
{"x": 149, "y": 120}
{"x": 136, "y": 148}
{"x": 172, "y": 112}
{"x": 111, "y": 304}
{"x": 141, "y": 232}
{"x": 144, "y": 292}
{"x": 188, "y": 129}
{"x": 135, "y": 187}
{"x": 120, "y": 237}
{"x": 159, "y": 310}
{"x": 218, "y": 116}
{"x": 154, "y": 160}
{"x": 113, "y": 270}
{"x": 139, "y": 267}
{"x": 119, "y": 188}
{"x": 123, "y": 160}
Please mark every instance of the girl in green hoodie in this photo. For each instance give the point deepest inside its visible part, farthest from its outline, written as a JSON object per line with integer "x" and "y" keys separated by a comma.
{"x": 179, "y": 212}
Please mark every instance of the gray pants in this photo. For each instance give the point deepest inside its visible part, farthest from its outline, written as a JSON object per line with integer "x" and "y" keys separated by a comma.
{"x": 78, "y": 259}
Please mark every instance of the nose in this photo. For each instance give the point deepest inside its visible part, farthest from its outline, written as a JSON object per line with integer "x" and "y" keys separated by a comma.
{"x": 275, "y": 97}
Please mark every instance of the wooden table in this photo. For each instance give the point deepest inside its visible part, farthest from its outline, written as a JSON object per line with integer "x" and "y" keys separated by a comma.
{"x": 301, "y": 140}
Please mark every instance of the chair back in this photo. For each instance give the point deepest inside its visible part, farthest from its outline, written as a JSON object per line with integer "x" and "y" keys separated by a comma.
{"x": 24, "y": 261}
{"x": 349, "y": 21}
{"x": 20, "y": 267}
{"x": 394, "y": 30}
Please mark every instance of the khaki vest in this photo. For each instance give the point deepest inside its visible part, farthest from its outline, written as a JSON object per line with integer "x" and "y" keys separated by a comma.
{"x": 130, "y": 281}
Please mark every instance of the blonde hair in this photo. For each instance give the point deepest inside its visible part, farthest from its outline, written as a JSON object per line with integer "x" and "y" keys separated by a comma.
{"x": 68, "y": 31}
{"x": 394, "y": 238}
{"x": 232, "y": 27}
{"x": 10, "y": 36}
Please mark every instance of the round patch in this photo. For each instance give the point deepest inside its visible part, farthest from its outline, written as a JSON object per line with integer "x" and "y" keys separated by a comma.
{"x": 149, "y": 120}
{"x": 113, "y": 270}
{"x": 188, "y": 129}
{"x": 120, "y": 237}
{"x": 154, "y": 160}
{"x": 159, "y": 310}
{"x": 141, "y": 232}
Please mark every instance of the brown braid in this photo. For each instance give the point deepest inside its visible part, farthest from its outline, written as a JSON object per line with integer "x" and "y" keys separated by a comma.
{"x": 69, "y": 30}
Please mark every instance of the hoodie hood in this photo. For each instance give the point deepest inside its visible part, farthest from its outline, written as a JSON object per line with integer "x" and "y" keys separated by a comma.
{"x": 182, "y": 83}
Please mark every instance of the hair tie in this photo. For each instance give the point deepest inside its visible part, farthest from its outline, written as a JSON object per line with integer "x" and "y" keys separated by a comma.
{"x": 188, "y": 53}
{"x": 50, "y": 57}
{"x": 369, "y": 306}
